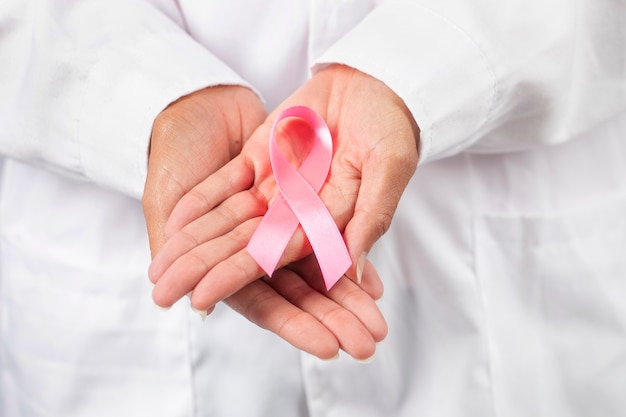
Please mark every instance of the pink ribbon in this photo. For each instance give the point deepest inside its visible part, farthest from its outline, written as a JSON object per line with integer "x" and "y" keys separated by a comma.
{"x": 299, "y": 203}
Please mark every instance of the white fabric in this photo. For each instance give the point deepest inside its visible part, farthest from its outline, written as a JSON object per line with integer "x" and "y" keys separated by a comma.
{"x": 504, "y": 266}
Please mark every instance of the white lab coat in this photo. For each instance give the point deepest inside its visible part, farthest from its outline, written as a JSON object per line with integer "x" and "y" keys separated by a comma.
{"x": 504, "y": 267}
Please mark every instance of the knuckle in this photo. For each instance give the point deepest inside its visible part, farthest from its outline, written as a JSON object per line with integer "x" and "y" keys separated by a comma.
{"x": 241, "y": 274}
{"x": 195, "y": 201}
{"x": 351, "y": 298}
{"x": 238, "y": 238}
{"x": 382, "y": 222}
{"x": 255, "y": 309}
{"x": 334, "y": 316}
{"x": 291, "y": 323}
{"x": 230, "y": 215}
{"x": 189, "y": 240}
{"x": 195, "y": 264}
{"x": 296, "y": 295}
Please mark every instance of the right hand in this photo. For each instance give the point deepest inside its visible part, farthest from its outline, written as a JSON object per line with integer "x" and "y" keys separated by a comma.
{"x": 191, "y": 139}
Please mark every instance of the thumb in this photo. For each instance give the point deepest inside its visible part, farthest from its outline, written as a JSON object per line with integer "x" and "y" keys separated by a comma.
{"x": 383, "y": 180}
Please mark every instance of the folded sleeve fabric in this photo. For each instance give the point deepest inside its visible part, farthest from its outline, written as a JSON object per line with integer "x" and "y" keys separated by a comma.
{"x": 68, "y": 77}
{"x": 469, "y": 71}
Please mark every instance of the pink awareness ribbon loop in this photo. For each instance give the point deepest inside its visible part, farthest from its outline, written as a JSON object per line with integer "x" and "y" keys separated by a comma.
{"x": 299, "y": 203}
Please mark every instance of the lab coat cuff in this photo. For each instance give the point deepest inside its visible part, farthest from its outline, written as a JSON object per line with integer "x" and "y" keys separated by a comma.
{"x": 431, "y": 63}
{"x": 130, "y": 84}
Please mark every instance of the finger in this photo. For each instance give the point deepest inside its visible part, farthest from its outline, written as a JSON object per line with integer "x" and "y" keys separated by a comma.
{"x": 353, "y": 334}
{"x": 384, "y": 178}
{"x": 234, "y": 177}
{"x": 219, "y": 267}
{"x": 224, "y": 279}
{"x": 232, "y": 273}
{"x": 195, "y": 267}
{"x": 346, "y": 294}
{"x": 371, "y": 282}
{"x": 260, "y": 304}
{"x": 224, "y": 218}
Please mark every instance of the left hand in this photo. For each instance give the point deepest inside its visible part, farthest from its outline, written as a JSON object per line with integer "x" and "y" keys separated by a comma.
{"x": 192, "y": 138}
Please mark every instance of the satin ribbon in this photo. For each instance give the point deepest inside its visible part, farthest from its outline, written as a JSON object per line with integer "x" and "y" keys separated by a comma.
{"x": 299, "y": 203}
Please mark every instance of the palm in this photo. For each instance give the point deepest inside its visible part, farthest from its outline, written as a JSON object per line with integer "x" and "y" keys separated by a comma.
{"x": 191, "y": 139}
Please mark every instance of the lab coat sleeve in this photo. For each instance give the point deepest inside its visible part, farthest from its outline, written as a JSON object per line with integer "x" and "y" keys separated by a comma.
{"x": 488, "y": 76}
{"x": 82, "y": 83}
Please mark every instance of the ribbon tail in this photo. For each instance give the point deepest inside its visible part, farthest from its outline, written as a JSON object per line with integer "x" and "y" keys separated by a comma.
{"x": 326, "y": 240}
{"x": 272, "y": 235}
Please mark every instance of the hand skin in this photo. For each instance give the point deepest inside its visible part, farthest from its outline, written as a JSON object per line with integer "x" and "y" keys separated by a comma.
{"x": 191, "y": 139}
{"x": 293, "y": 305}
{"x": 375, "y": 156}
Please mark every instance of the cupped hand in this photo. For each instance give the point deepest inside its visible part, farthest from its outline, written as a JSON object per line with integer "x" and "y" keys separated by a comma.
{"x": 191, "y": 139}
{"x": 375, "y": 155}
{"x": 294, "y": 306}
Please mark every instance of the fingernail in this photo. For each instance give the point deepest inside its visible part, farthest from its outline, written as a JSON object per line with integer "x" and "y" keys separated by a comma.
{"x": 360, "y": 264}
{"x": 201, "y": 313}
{"x": 162, "y": 308}
{"x": 332, "y": 359}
